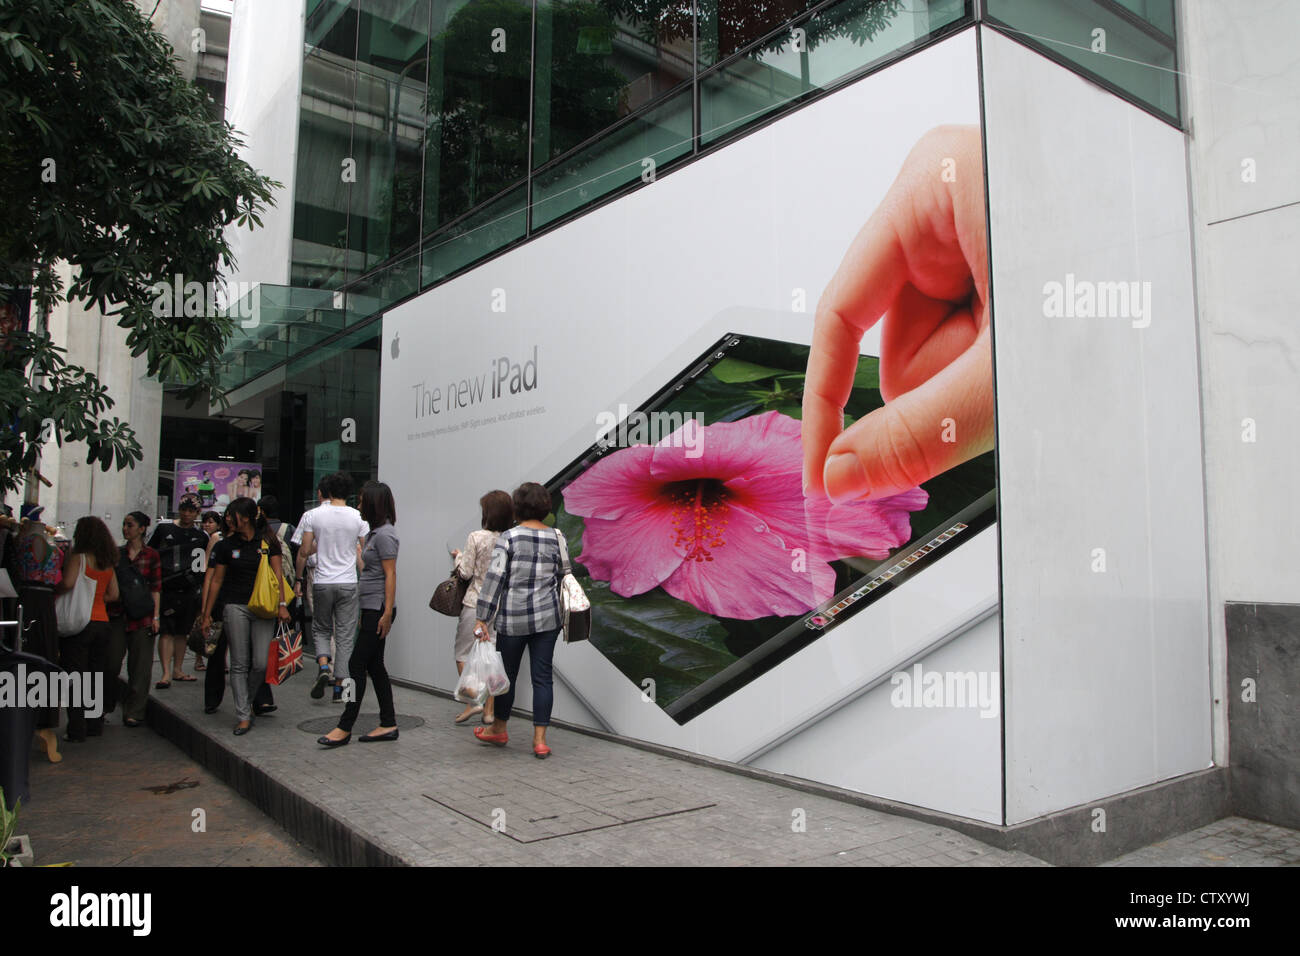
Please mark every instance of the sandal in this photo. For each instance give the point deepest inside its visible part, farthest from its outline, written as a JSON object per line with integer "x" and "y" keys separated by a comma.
{"x": 162, "y": 685}
{"x": 184, "y": 678}
{"x": 466, "y": 715}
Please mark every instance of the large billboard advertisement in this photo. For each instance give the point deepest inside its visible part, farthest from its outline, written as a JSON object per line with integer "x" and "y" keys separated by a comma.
{"x": 760, "y": 391}
{"x": 706, "y": 562}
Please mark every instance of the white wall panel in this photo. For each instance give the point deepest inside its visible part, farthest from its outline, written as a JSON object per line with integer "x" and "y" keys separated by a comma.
{"x": 1107, "y": 672}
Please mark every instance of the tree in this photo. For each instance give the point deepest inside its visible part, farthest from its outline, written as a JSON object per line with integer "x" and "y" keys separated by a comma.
{"x": 111, "y": 162}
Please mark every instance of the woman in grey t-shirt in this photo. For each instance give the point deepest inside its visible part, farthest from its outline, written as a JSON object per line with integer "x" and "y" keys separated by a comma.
{"x": 377, "y": 587}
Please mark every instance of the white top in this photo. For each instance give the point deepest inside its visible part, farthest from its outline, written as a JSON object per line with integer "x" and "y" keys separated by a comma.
{"x": 474, "y": 561}
{"x": 337, "y": 529}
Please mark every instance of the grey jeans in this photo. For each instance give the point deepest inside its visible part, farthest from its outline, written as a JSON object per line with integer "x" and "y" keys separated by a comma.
{"x": 335, "y": 612}
{"x": 249, "y": 638}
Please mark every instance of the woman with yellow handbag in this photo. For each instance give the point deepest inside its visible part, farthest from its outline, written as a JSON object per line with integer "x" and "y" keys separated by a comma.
{"x": 248, "y": 583}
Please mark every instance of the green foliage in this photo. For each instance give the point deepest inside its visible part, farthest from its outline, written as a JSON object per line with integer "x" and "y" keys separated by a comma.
{"x": 111, "y": 162}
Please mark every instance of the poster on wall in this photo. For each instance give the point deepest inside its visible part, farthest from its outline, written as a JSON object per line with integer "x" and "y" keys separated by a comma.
{"x": 216, "y": 483}
{"x": 705, "y": 560}
{"x": 769, "y": 443}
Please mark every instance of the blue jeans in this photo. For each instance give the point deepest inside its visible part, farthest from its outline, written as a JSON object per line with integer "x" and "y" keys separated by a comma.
{"x": 541, "y": 649}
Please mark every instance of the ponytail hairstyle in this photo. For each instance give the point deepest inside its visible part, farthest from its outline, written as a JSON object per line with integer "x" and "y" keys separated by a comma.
{"x": 140, "y": 518}
{"x": 247, "y": 509}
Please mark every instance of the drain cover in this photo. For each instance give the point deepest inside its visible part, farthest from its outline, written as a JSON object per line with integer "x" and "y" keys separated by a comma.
{"x": 323, "y": 725}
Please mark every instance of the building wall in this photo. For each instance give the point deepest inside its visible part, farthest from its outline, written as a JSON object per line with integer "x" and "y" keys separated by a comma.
{"x": 1243, "y": 91}
{"x": 1106, "y": 644}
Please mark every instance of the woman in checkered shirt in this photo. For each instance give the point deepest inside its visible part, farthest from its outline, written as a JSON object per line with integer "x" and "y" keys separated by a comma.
{"x": 521, "y": 595}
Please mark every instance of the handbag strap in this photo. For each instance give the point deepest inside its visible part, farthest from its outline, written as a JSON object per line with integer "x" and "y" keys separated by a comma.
{"x": 565, "y": 567}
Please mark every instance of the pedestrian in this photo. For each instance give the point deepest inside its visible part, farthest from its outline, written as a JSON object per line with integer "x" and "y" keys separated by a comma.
{"x": 94, "y": 554}
{"x": 211, "y": 523}
{"x": 40, "y": 569}
{"x": 334, "y": 534}
{"x": 378, "y": 593}
{"x": 521, "y": 592}
{"x": 133, "y": 638}
{"x": 235, "y": 562}
{"x": 181, "y": 544}
{"x": 497, "y": 514}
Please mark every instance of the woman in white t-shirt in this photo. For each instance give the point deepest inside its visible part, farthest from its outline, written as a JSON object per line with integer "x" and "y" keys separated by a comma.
{"x": 498, "y": 511}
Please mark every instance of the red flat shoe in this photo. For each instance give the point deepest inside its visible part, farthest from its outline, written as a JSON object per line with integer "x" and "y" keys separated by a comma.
{"x": 487, "y": 738}
{"x": 541, "y": 751}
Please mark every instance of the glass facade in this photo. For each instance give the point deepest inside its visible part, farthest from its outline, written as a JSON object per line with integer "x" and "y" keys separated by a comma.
{"x": 436, "y": 133}
{"x": 1126, "y": 45}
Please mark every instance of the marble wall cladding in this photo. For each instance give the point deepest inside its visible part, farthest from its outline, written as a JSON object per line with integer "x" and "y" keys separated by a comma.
{"x": 1242, "y": 68}
{"x": 1243, "y": 83}
{"x": 1263, "y": 700}
{"x": 1242, "y": 71}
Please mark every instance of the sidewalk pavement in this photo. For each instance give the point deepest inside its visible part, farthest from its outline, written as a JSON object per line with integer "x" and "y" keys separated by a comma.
{"x": 439, "y": 797}
{"x": 128, "y": 799}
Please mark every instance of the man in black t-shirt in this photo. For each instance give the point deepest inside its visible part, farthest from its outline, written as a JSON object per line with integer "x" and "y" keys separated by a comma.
{"x": 182, "y": 546}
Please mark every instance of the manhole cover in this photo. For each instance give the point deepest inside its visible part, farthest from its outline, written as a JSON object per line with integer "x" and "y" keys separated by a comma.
{"x": 323, "y": 725}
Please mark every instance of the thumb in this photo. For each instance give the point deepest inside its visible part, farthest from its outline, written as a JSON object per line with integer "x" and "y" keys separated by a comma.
{"x": 922, "y": 433}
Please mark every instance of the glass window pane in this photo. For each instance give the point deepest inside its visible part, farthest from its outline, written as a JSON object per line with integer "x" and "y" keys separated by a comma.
{"x": 476, "y": 141}
{"x": 728, "y": 26}
{"x": 479, "y": 234}
{"x": 320, "y": 213}
{"x": 660, "y": 135}
{"x": 825, "y": 48}
{"x": 1124, "y": 55}
{"x": 337, "y": 381}
{"x": 596, "y": 63}
{"x": 379, "y": 290}
{"x": 1158, "y": 13}
{"x": 388, "y": 128}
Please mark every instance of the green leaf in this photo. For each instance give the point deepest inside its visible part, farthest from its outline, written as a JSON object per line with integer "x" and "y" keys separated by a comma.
{"x": 732, "y": 370}
{"x": 868, "y": 374}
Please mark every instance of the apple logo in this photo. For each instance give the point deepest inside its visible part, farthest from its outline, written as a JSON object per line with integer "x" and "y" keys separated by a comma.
{"x": 394, "y": 348}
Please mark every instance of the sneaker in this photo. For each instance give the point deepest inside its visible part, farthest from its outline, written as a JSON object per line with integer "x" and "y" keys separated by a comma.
{"x": 318, "y": 688}
{"x": 338, "y": 693}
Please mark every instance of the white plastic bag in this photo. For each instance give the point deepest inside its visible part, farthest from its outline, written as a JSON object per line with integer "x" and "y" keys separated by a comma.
{"x": 472, "y": 688}
{"x": 72, "y": 609}
{"x": 497, "y": 681}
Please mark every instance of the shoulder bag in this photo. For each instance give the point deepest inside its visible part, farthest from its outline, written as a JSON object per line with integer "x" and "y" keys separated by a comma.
{"x": 72, "y": 609}
{"x": 265, "y": 599}
{"x": 575, "y": 609}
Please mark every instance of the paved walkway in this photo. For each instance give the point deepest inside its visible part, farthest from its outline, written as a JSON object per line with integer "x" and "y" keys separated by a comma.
{"x": 128, "y": 799}
{"x": 438, "y": 797}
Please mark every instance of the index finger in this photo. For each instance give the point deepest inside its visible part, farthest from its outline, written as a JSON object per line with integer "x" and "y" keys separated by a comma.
{"x": 869, "y": 277}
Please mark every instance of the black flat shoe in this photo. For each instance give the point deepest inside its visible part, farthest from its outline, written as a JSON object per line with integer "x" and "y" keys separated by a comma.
{"x": 240, "y": 731}
{"x": 326, "y": 742}
{"x": 211, "y": 710}
{"x": 367, "y": 739}
{"x": 268, "y": 709}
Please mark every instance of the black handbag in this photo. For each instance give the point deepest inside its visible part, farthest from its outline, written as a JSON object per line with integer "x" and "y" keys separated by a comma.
{"x": 449, "y": 596}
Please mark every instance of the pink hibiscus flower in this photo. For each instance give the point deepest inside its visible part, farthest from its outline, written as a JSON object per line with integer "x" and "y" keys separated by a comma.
{"x": 729, "y": 531}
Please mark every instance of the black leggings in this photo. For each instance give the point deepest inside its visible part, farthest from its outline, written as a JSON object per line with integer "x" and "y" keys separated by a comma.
{"x": 87, "y": 653}
{"x": 368, "y": 659}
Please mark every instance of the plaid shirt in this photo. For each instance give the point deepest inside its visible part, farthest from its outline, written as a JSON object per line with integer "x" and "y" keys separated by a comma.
{"x": 523, "y": 582}
{"x": 149, "y": 563}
